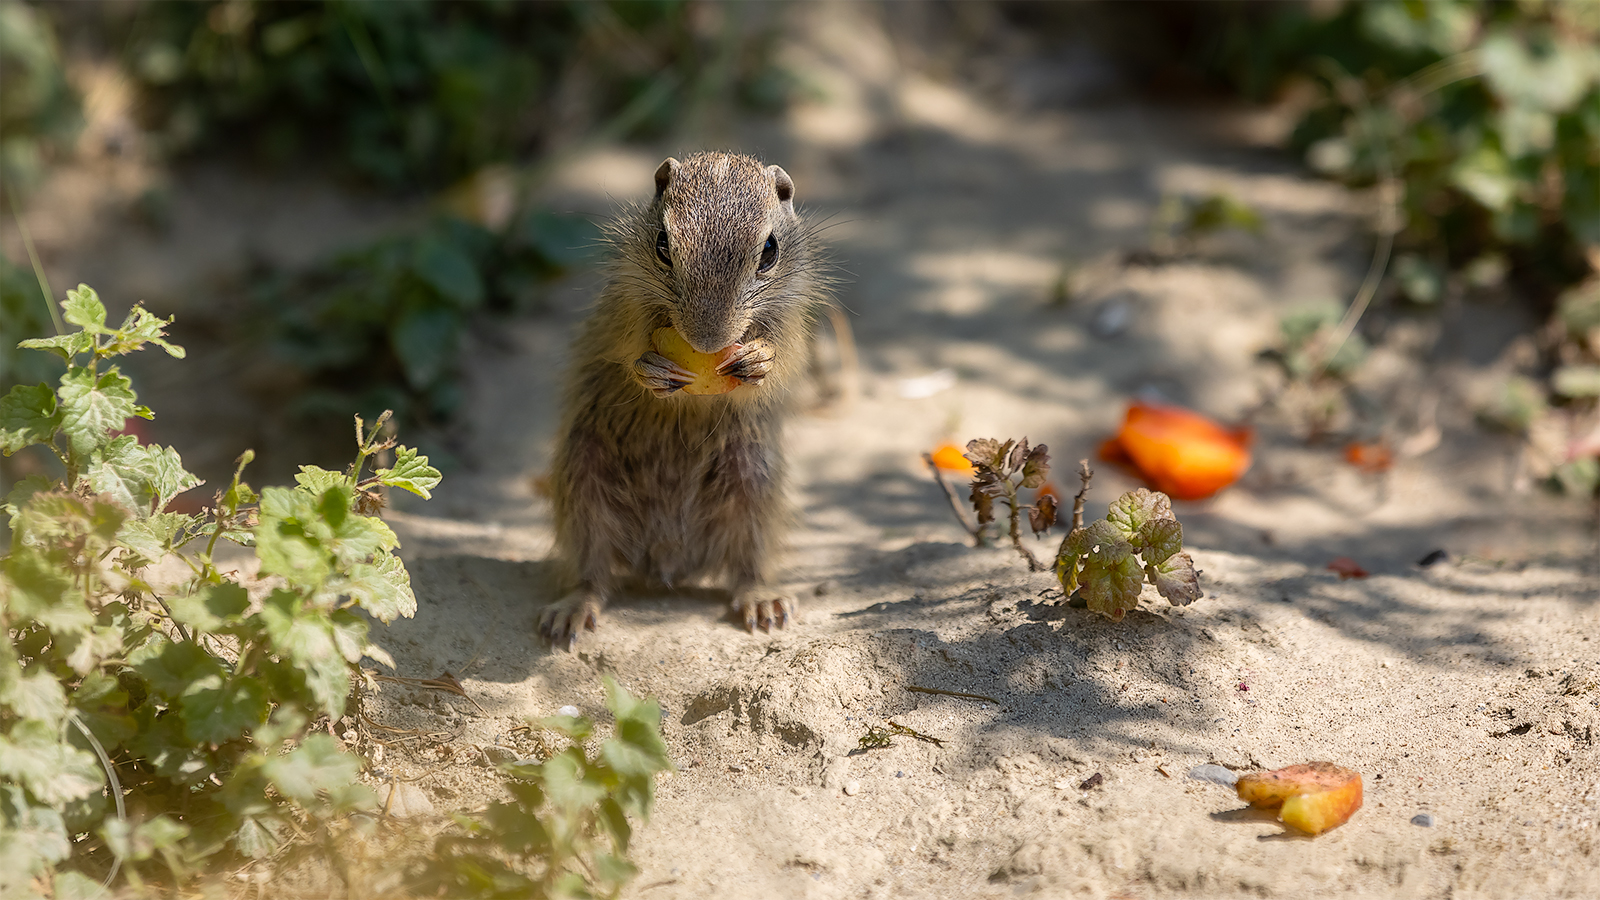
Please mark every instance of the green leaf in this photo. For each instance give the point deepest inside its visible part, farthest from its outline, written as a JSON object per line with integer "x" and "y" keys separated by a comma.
{"x": 613, "y": 869}
{"x": 1111, "y": 577}
{"x": 1130, "y": 512}
{"x": 153, "y": 537}
{"x": 36, "y": 695}
{"x": 216, "y": 710}
{"x": 382, "y": 588}
{"x": 449, "y": 271}
{"x": 65, "y": 346}
{"x": 212, "y": 608}
{"x": 170, "y": 478}
{"x": 53, "y": 771}
{"x": 40, "y": 591}
{"x": 94, "y": 406}
{"x": 176, "y": 666}
{"x": 70, "y": 885}
{"x": 31, "y": 838}
{"x": 132, "y": 843}
{"x": 84, "y": 309}
{"x": 122, "y": 470}
{"x": 318, "y": 480}
{"x": 318, "y": 764}
{"x": 88, "y": 649}
{"x": 1161, "y": 539}
{"x": 291, "y": 537}
{"x": 142, "y": 327}
{"x": 305, "y": 636}
{"x": 1176, "y": 579}
{"x": 256, "y": 838}
{"x": 28, "y": 415}
{"x": 410, "y": 472}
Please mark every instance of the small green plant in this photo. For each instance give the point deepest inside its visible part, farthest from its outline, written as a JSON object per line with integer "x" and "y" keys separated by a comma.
{"x": 564, "y": 833}
{"x": 1139, "y": 541}
{"x": 144, "y": 729}
{"x": 1106, "y": 563}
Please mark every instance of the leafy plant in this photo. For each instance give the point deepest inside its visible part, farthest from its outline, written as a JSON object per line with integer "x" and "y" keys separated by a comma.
{"x": 566, "y": 826}
{"x": 379, "y": 327}
{"x": 143, "y": 725}
{"x": 425, "y": 92}
{"x": 1106, "y": 563}
{"x": 1138, "y": 541}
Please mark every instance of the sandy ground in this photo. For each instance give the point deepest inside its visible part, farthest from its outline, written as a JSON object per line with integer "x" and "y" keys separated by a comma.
{"x": 1467, "y": 691}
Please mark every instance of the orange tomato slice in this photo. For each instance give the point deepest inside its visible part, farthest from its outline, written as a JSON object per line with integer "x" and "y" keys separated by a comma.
{"x": 1181, "y": 453}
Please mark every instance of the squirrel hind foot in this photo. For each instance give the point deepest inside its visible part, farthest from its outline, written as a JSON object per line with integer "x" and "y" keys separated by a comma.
{"x": 560, "y": 622}
{"x": 765, "y": 610}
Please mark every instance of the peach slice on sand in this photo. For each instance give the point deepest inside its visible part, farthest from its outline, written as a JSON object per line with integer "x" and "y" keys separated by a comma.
{"x": 669, "y": 343}
{"x": 1314, "y": 796}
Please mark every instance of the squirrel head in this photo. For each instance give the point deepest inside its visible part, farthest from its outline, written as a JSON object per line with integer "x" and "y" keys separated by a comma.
{"x": 729, "y": 238}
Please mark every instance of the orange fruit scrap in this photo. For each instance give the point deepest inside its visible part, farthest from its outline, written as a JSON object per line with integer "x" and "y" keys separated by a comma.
{"x": 669, "y": 343}
{"x": 1314, "y": 796}
{"x": 1347, "y": 568}
{"x": 1179, "y": 452}
{"x": 950, "y": 459}
{"x": 1373, "y": 457}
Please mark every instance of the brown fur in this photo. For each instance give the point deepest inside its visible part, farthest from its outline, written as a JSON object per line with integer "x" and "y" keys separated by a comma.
{"x": 655, "y": 486}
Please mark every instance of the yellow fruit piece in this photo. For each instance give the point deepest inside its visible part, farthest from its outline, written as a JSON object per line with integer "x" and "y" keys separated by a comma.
{"x": 1314, "y": 796}
{"x": 949, "y": 458}
{"x": 669, "y": 343}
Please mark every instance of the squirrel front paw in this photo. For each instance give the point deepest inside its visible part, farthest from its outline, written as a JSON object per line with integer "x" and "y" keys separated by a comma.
{"x": 659, "y": 375}
{"x": 751, "y": 362}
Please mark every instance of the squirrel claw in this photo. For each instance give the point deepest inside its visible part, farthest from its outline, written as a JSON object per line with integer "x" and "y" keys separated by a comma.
{"x": 560, "y": 622}
{"x": 768, "y": 614}
{"x": 751, "y": 363}
{"x": 659, "y": 375}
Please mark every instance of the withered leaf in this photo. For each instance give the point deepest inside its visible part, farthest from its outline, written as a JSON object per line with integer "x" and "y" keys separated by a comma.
{"x": 1018, "y": 455}
{"x": 982, "y": 502}
{"x": 1176, "y": 579}
{"x": 1043, "y": 515}
{"x": 983, "y": 452}
{"x": 1036, "y": 468}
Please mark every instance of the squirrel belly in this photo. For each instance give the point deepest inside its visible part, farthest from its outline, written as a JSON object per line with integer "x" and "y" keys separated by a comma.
{"x": 712, "y": 288}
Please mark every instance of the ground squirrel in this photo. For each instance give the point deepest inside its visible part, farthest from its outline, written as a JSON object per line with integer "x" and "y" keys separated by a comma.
{"x": 656, "y": 487}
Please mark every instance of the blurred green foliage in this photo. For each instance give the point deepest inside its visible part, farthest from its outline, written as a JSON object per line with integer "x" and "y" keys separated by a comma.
{"x": 40, "y": 114}
{"x": 380, "y": 327}
{"x": 421, "y": 92}
{"x": 23, "y": 315}
{"x": 1487, "y": 113}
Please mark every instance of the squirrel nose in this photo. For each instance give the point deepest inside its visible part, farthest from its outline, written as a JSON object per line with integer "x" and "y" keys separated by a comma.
{"x": 709, "y": 330}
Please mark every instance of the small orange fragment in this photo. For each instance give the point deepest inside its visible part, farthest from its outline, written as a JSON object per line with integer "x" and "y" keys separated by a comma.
{"x": 948, "y": 457}
{"x": 1314, "y": 796}
{"x": 669, "y": 343}
{"x": 1347, "y": 568}
{"x": 1373, "y": 457}
{"x": 1181, "y": 453}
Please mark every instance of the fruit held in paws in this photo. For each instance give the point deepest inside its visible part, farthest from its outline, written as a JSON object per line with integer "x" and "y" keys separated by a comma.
{"x": 669, "y": 343}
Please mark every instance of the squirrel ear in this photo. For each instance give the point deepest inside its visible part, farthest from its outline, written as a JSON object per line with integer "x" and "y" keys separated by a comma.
{"x": 782, "y": 182}
{"x": 669, "y": 167}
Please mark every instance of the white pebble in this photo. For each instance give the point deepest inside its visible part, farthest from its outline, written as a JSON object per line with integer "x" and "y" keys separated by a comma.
{"x": 569, "y": 711}
{"x": 852, "y": 788}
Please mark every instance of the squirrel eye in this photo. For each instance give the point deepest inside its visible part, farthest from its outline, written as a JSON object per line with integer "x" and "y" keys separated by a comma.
{"x": 661, "y": 248}
{"x": 769, "y": 254}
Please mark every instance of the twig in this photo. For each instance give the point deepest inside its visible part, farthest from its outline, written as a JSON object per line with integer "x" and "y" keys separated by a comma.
{"x": 1084, "y": 474}
{"x": 955, "y": 505}
{"x": 944, "y": 693}
{"x": 897, "y": 728}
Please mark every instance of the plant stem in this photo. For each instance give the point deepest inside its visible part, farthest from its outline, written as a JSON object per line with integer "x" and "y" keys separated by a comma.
{"x": 1084, "y": 474}
{"x": 955, "y": 505}
{"x": 1016, "y": 526}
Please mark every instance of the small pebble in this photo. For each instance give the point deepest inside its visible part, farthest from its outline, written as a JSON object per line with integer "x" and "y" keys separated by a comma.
{"x": 1422, "y": 819}
{"x": 1093, "y": 781}
{"x": 569, "y": 711}
{"x": 1215, "y": 774}
{"x": 852, "y": 788}
{"x": 1437, "y": 556}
